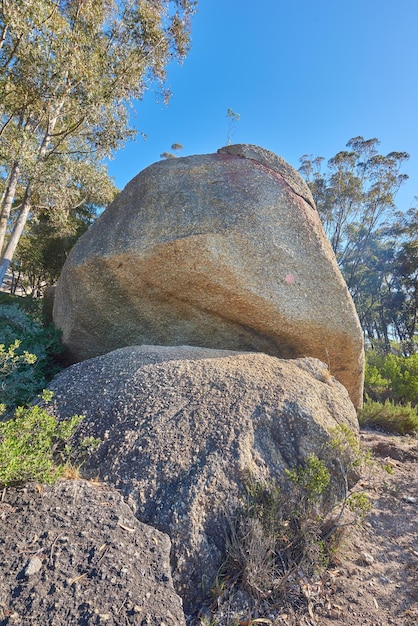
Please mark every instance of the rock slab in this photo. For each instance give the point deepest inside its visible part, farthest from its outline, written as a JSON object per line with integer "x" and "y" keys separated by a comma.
{"x": 74, "y": 554}
{"x": 183, "y": 428}
{"x": 221, "y": 250}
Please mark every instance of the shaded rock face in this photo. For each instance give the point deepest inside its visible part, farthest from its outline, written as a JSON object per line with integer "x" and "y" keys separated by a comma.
{"x": 221, "y": 250}
{"x": 182, "y": 428}
{"x": 75, "y": 553}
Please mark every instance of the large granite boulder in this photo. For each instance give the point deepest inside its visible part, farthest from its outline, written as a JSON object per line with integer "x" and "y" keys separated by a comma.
{"x": 182, "y": 429}
{"x": 223, "y": 251}
{"x": 74, "y": 553}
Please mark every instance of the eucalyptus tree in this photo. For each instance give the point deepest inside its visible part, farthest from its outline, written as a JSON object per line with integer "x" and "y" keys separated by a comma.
{"x": 404, "y": 234}
{"x": 44, "y": 247}
{"x": 69, "y": 70}
{"x": 355, "y": 197}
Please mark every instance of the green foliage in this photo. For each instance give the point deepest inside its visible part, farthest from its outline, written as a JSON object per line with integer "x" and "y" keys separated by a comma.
{"x": 391, "y": 389}
{"x": 375, "y": 246}
{"x": 359, "y": 504}
{"x": 32, "y": 306}
{"x": 313, "y": 478}
{"x": 68, "y": 72}
{"x": 390, "y": 417}
{"x": 391, "y": 376}
{"x": 44, "y": 247}
{"x": 345, "y": 445}
{"x": 35, "y": 446}
{"x": 354, "y": 194}
{"x": 27, "y": 352}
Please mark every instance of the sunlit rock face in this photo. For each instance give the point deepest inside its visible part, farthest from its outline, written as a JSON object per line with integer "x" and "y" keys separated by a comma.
{"x": 222, "y": 251}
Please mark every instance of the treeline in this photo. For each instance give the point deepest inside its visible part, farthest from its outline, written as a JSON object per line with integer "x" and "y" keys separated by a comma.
{"x": 375, "y": 244}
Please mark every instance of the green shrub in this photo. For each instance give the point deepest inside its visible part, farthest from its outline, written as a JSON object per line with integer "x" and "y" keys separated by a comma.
{"x": 35, "y": 446}
{"x": 283, "y": 533}
{"x": 312, "y": 478}
{"x": 390, "y": 417}
{"x": 32, "y": 306}
{"x": 27, "y": 354}
{"x": 391, "y": 376}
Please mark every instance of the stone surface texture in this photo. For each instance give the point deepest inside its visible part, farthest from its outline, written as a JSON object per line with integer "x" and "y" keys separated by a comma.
{"x": 75, "y": 554}
{"x": 220, "y": 250}
{"x": 182, "y": 429}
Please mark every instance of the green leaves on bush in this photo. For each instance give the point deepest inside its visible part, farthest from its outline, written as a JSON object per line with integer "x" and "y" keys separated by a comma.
{"x": 391, "y": 376}
{"x": 312, "y": 478}
{"x": 27, "y": 351}
{"x": 35, "y": 446}
{"x": 390, "y": 417}
{"x": 391, "y": 388}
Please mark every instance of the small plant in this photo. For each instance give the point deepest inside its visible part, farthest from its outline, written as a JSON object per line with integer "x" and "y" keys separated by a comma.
{"x": 16, "y": 373}
{"x": 233, "y": 119}
{"x": 285, "y": 533}
{"x": 35, "y": 446}
{"x": 172, "y": 155}
{"x": 390, "y": 417}
{"x": 359, "y": 504}
{"x": 313, "y": 478}
{"x": 27, "y": 352}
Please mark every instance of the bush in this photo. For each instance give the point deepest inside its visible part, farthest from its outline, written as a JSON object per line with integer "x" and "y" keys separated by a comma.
{"x": 35, "y": 446}
{"x": 391, "y": 376}
{"x": 391, "y": 390}
{"x": 27, "y": 353}
{"x": 273, "y": 539}
{"x": 282, "y": 534}
{"x": 390, "y": 417}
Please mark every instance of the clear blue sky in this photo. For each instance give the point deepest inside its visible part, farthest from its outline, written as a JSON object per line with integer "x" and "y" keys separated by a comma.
{"x": 305, "y": 77}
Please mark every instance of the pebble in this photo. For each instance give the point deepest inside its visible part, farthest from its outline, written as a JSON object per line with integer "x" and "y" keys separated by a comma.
{"x": 410, "y": 499}
{"x": 366, "y": 558}
{"x": 34, "y": 565}
{"x": 385, "y": 580}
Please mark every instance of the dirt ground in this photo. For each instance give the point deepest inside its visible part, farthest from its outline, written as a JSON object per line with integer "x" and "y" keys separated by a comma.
{"x": 373, "y": 580}
{"x": 382, "y": 589}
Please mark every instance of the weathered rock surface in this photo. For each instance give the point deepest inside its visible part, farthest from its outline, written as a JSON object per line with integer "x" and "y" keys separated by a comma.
{"x": 182, "y": 428}
{"x": 221, "y": 250}
{"x": 74, "y": 554}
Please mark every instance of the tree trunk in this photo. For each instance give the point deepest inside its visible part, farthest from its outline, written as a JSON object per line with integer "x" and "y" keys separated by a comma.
{"x": 7, "y": 201}
{"x": 7, "y": 254}
{"x": 9, "y": 251}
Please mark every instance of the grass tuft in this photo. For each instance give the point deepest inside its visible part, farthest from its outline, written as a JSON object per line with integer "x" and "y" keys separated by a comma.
{"x": 390, "y": 417}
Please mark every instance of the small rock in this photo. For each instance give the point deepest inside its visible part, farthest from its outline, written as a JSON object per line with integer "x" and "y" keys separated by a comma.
{"x": 385, "y": 580}
{"x": 409, "y": 499}
{"x": 366, "y": 558}
{"x": 34, "y": 565}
